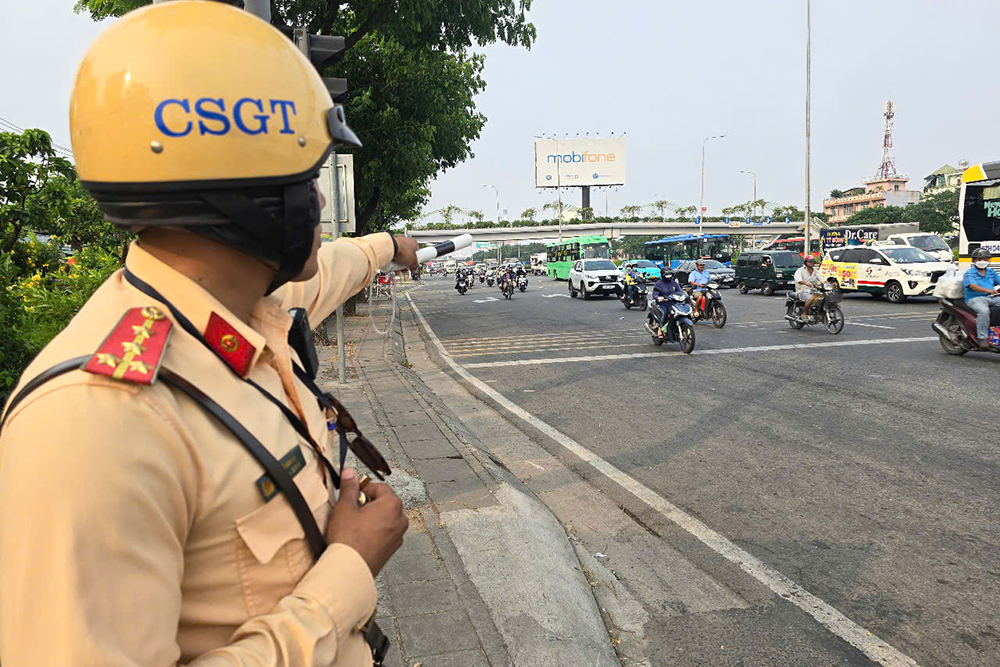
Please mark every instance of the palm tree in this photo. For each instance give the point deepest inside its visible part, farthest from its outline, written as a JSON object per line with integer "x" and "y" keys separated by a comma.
{"x": 528, "y": 214}
{"x": 630, "y": 211}
{"x": 448, "y": 212}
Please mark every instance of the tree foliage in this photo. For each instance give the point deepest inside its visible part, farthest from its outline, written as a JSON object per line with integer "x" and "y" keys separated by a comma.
{"x": 878, "y": 215}
{"x": 30, "y": 189}
{"x": 936, "y": 213}
{"x": 412, "y": 82}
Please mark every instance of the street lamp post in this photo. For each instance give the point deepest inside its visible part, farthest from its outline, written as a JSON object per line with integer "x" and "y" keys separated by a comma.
{"x": 701, "y": 205}
{"x": 806, "y": 241}
{"x": 742, "y": 171}
{"x": 497, "y": 190}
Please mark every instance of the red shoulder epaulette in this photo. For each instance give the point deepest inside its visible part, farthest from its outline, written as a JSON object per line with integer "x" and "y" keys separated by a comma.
{"x": 134, "y": 348}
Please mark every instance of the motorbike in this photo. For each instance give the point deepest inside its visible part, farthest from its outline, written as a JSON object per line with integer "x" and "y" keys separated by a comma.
{"x": 956, "y": 328}
{"x": 508, "y": 289}
{"x": 714, "y": 308}
{"x": 679, "y": 327}
{"x": 824, "y": 309}
{"x": 489, "y": 280}
{"x": 522, "y": 282}
{"x": 462, "y": 285}
{"x": 640, "y": 299}
{"x": 482, "y": 276}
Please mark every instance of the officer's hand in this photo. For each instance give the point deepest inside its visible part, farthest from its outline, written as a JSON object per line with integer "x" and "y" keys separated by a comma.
{"x": 376, "y": 530}
{"x": 406, "y": 253}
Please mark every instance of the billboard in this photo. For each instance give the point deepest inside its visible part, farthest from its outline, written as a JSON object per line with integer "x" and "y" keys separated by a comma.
{"x": 577, "y": 162}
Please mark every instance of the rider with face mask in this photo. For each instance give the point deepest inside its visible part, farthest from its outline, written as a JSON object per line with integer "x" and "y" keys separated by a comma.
{"x": 981, "y": 291}
{"x": 664, "y": 287}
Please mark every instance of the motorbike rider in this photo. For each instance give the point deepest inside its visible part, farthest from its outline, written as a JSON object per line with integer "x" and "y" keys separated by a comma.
{"x": 507, "y": 275}
{"x": 459, "y": 276}
{"x": 981, "y": 292}
{"x": 699, "y": 280}
{"x": 631, "y": 280}
{"x": 807, "y": 283}
{"x": 664, "y": 287}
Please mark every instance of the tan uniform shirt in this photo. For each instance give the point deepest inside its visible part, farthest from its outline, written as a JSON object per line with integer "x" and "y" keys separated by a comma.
{"x": 132, "y": 529}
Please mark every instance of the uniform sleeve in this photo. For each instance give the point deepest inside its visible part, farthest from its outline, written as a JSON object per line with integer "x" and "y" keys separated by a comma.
{"x": 345, "y": 267}
{"x": 97, "y": 494}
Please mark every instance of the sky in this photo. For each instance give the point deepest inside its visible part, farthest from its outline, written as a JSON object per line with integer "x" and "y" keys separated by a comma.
{"x": 666, "y": 74}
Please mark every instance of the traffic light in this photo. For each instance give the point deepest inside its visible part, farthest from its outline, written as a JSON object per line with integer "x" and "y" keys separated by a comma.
{"x": 322, "y": 50}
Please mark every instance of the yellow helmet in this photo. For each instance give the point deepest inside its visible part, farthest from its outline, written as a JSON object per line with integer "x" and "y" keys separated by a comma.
{"x": 194, "y": 92}
{"x": 195, "y": 112}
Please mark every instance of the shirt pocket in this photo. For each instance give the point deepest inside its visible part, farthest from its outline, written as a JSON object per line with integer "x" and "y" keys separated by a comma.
{"x": 272, "y": 554}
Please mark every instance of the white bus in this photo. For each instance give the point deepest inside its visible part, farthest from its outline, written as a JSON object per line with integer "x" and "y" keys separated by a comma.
{"x": 979, "y": 213}
{"x": 450, "y": 266}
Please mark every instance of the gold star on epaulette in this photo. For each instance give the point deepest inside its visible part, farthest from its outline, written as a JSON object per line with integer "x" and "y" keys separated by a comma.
{"x": 151, "y": 313}
{"x": 139, "y": 367}
{"x": 108, "y": 359}
{"x": 142, "y": 333}
{"x": 133, "y": 347}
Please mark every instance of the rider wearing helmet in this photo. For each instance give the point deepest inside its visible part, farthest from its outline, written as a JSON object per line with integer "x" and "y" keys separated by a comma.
{"x": 807, "y": 282}
{"x": 981, "y": 291}
{"x": 699, "y": 280}
{"x": 137, "y": 525}
{"x": 664, "y": 287}
{"x": 631, "y": 279}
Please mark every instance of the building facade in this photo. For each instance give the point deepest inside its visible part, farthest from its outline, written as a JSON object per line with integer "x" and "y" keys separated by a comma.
{"x": 878, "y": 192}
{"x": 944, "y": 178}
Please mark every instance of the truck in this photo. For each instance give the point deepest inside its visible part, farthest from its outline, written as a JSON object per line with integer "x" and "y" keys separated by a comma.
{"x": 538, "y": 263}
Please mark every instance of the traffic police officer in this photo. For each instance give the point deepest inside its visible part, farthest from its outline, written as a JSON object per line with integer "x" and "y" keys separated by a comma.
{"x": 136, "y": 528}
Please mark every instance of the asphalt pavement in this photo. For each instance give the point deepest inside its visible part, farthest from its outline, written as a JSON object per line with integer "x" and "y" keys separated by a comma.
{"x": 819, "y": 489}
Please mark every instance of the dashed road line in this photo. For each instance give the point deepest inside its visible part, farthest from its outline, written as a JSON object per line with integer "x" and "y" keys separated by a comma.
{"x": 731, "y": 350}
{"x": 834, "y": 621}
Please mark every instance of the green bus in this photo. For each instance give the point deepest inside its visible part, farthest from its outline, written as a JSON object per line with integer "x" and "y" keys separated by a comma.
{"x": 561, "y": 255}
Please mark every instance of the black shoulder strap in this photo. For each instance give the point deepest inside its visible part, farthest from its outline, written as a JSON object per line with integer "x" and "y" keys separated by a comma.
{"x": 270, "y": 464}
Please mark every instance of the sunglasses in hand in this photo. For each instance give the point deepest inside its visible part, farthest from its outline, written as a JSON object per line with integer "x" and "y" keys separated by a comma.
{"x": 362, "y": 447}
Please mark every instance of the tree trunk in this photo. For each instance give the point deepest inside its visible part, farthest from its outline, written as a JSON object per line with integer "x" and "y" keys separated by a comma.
{"x": 366, "y": 213}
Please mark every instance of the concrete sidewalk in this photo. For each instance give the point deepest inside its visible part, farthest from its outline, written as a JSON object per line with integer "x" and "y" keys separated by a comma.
{"x": 486, "y": 574}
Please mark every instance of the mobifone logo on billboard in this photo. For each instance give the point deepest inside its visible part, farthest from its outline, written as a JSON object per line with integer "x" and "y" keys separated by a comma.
{"x": 579, "y": 162}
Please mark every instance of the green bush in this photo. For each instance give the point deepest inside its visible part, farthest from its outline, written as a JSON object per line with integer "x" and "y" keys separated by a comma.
{"x": 38, "y": 305}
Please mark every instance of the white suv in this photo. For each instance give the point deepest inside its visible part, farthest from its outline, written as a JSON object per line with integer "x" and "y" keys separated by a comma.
{"x": 593, "y": 277}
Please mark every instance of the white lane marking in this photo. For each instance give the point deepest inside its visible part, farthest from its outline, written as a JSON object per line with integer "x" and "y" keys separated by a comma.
{"x": 593, "y": 332}
{"x": 831, "y": 619}
{"x": 555, "y": 296}
{"x": 862, "y": 324}
{"x": 547, "y": 349}
{"x": 547, "y": 342}
{"x": 730, "y": 350}
{"x": 486, "y": 300}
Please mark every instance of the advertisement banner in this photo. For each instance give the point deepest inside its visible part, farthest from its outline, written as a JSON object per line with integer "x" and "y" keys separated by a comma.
{"x": 577, "y": 162}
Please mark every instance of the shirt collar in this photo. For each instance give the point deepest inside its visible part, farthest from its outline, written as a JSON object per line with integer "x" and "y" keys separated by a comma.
{"x": 238, "y": 343}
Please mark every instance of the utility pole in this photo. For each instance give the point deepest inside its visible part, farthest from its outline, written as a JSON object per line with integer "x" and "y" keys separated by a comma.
{"x": 701, "y": 205}
{"x": 806, "y": 241}
{"x": 754, "y": 212}
{"x": 559, "y": 188}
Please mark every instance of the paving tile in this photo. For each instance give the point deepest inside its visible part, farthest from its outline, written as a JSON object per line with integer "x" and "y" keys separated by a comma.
{"x": 471, "y": 658}
{"x": 416, "y": 544}
{"x": 466, "y": 493}
{"x": 424, "y": 597}
{"x": 429, "y": 449}
{"x": 404, "y": 568}
{"x": 428, "y": 431}
{"x": 443, "y": 470}
{"x": 431, "y": 634}
{"x": 412, "y": 417}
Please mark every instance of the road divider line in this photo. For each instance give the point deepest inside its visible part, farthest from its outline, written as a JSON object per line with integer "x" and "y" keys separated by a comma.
{"x": 729, "y": 350}
{"x": 548, "y": 349}
{"x": 864, "y": 324}
{"x": 837, "y": 623}
{"x": 542, "y": 342}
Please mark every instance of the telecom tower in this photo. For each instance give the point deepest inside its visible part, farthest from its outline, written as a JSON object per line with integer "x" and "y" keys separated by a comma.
{"x": 887, "y": 169}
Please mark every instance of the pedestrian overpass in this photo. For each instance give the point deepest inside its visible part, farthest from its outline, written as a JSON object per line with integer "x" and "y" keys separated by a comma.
{"x": 611, "y": 230}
